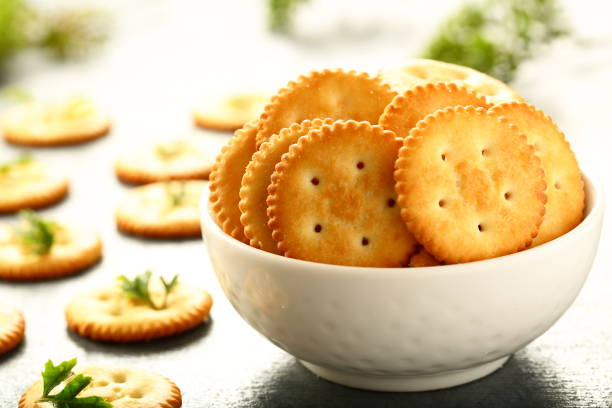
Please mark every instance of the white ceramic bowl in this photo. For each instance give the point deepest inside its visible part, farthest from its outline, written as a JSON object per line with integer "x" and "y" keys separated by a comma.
{"x": 406, "y": 329}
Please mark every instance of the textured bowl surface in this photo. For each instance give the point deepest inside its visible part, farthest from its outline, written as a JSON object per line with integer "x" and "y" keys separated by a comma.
{"x": 406, "y": 329}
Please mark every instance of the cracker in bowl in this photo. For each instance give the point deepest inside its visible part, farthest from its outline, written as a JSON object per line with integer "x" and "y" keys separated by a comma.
{"x": 332, "y": 198}
{"x": 138, "y": 310}
{"x": 469, "y": 185}
{"x": 69, "y": 122}
{"x": 38, "y": 248}
{"x": 27, "y": 183}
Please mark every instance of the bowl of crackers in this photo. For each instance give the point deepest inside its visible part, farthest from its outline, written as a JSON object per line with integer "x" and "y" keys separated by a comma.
{"x": 407, "y": 231}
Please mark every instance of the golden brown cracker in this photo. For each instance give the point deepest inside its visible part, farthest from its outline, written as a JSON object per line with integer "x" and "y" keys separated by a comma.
{"x": 226, "y": 179}
{"x": 171, "y": 160}
{"x": 30, "y": 185}
{"x": 231, "y": 113}
{"x": 106, "y": 314}
{"x": 256, "y": 179}
{"x": 564, "y": 185}
{"x": 469, "y": 185}
{"x": 54, "y": 124}
{"x": 121, "y": 386}
{"x": 332, "y": 198}
{"x": 74, "y": 249}
{"x": 166, "y": 209}
{"x": 403, "y": 113}
{"x": 12, "y": 328}
{"x": 423, "y": 258}
{"x": 420, "y": 71}
{"x": 335, "y": 94}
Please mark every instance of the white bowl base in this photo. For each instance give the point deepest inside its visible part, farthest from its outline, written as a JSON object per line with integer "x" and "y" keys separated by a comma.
{"x": 427, "y": 382}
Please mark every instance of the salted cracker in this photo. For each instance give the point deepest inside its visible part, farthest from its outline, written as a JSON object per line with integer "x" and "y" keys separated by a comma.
{"x": 30, "y": 184}
{"x": 332, "y": 198}
{"x": 74, "y": 249}
{"x": 469, "y": 185}
{"x": 73, "y": 121}
{"x": 422, "y": 258}
{"x": 335, "y": 94}
{"x": 564, "y": 184}
{"x": 406, "y": 109}
{"x": 226, "y": 179}
{"x": 256, "y": 179}
{"x": 106, "y": 314}
{"x": 420, "y": 71}
{"x": 179, "y": 159}
{"x": 166, "y": 209}
{"x": 123, "y": 387}
{"x": 231, "y": 113}
{"x": 12, "y": 328}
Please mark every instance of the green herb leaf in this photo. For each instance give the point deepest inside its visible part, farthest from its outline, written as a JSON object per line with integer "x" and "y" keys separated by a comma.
{"x": 280, "y": 14}
{"x": 36, "y": 234}
{"x": 54, "y": 375}
{"x": 16, "y": 94}
{"x": 72, "y": 389}
{"x": 176, "y": 193}
{"x": 496, "y": 36}
{"x": 138, "y": 288}
{"x": 14, "y": 164}
{"x": 171, "y": 150}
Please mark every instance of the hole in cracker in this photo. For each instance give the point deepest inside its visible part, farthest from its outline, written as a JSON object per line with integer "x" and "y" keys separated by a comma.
{"x": 480, "y": 228}
{"x": 100, "y": 383}
{"x": 557, "y": 185}
{"x": 484, "y": 152}
{"x": 443, "y": 156}
{"x": 136, "y": 394}
{"x": 103, "y": 297}
{"x": 119, "y": 378}
{"x": 365, "y": 241}
{"x": 318, "y": 228}
{"x": 441, "y": 203}
{"x": 360, "y": 165}
{"x": 315, "y": 181}
{"x": 507, "y": 195}
{"x": 390, "y": 203}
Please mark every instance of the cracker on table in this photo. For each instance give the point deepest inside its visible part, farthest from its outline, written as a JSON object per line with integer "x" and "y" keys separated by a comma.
{"x": 106, "y": 314}
{"x": 123, "y": 387}
{"x": 256, "y": 179}
{"x": 564, "y": 184}
{"x": 422, "y": 258}
{"x": 166, "y": 209}
{"x": 419, "y": 71}
{"x": 469, "y": 185}
{"x": 332, "y": 198}
{"x": 54, "y": 124}
{"x": 30, "y": 185}
{"x": 226, "y": 179}
{"x": 12, "y": 328}
{"x": 406, "y": 109}
{"x": 73, "y": 250}
{"x": 179, "y": 159}
{"x": 231, "y": 113}
{"x": 335, "y": 94}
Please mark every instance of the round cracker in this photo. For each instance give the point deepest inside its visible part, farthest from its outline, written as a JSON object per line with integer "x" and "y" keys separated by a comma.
{"x": 341, "y": 211}
{"x": 121, "y": 386}
{"x": 469, "y": 185}
{"x": 423, "y": 258}
{"x": 148, "y": 211}
{"x": 335, "y": 94}
{"x": 106, "y": 314}
{"x": 30, "y": 185}
{"x": 256, "y": 179}
{"x": 564, "y": 184}
{"x": 403, "y": 113}
{"x": 226, "y": 179}
{"x": 74, "y": 250}
{"x": 173, "y": 160}
{"x": 420, "y": 71}
{"x": 231, "y": 113}
{"x": 12, "y": 328}
{"x": 54, "y": 124}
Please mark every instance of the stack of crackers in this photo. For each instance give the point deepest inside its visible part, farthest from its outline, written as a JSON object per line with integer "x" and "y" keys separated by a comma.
{"x": 425, "y": 165}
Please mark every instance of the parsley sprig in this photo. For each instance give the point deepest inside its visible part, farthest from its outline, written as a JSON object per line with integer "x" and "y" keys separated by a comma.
{"x": 67, "y": 397}
{"x": 36, "y": 234}
{"x": 138, "y": 288}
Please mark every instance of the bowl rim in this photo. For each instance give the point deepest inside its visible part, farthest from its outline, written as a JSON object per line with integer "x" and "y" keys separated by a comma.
{"x": 597, "y": 206}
